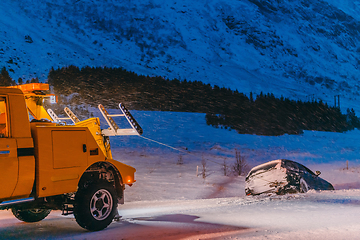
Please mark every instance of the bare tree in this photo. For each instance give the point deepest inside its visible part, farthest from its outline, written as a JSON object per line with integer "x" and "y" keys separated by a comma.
{"x": 180, "y": 160}
{"x": 203, "y": 163}
{"x": 225, "y": 168}
{"x": 240, "y": 164}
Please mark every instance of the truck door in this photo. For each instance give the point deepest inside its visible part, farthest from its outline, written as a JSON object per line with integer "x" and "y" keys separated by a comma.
{"x": 9, "y": 163}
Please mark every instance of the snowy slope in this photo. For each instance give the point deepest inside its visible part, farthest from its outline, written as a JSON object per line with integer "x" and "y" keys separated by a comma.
{"x": 298, "y": 49}
{"x": 350, "y": 7}
{"x": 168, "y": 200}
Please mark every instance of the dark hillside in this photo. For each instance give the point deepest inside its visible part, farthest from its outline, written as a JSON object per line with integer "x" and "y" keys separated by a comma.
{"x": 266, "y": 115}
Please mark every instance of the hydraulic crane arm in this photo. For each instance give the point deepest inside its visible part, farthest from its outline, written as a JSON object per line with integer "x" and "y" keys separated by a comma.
{"x": 34, "y": 98}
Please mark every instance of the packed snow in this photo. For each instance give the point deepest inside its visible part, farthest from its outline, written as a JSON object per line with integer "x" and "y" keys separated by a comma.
{"x": 172, "y": 199}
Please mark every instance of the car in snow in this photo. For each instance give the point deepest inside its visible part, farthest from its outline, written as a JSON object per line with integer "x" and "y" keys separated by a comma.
{"x": 283, "y": 176}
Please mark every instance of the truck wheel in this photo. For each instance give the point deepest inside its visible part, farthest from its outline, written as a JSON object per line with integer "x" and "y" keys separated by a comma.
{"x": 95, "y": 206}
{"x": 30, "y": 215}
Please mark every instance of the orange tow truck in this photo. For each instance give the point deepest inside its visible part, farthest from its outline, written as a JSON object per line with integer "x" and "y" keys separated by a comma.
{"x": 46, "y": 164}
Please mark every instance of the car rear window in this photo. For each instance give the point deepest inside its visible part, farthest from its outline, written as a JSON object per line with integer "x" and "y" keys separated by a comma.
{"x": 294, "y": 166}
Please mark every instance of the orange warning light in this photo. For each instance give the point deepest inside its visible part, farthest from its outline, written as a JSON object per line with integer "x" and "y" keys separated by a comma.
{"x": 30, "y": 87}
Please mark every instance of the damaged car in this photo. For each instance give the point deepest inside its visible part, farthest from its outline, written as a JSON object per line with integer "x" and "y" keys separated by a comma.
{"x": 283, "y": 176}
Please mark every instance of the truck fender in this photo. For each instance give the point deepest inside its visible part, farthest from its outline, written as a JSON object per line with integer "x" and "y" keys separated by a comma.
{"x": 127, "y": 172}
{"x": 112, "y": 171}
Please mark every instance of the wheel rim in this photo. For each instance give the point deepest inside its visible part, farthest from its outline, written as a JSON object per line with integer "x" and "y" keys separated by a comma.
{"x": 36, "y": 211}
{"x": 101, "y": 204}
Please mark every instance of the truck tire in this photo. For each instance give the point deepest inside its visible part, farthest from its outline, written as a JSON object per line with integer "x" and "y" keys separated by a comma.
{"x": 95, "y": 206}
{"x": 30, "y": 215}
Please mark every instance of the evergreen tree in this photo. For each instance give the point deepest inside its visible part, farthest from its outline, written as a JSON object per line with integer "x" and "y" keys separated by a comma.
{"x": 5, "y": 79}
{"x": 34, "y": 80}
{"x": 263, "y": 115}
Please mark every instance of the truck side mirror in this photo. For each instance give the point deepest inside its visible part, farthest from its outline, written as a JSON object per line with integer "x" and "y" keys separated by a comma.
{"x": 317, "y": 173}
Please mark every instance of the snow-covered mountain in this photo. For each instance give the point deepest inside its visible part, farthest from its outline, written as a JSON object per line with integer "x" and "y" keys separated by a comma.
{"x": 296, "y": 48}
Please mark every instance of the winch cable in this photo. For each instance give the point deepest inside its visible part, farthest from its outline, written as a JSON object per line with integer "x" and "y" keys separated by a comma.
{"x": 135, "y": 126}
{"x": 177, "y": 149}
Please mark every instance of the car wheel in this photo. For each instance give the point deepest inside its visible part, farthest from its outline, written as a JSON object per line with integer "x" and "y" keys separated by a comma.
{"x": 303, "y": 186}
{"x": 30, "y": 215}
{"x": 95, "y": 206}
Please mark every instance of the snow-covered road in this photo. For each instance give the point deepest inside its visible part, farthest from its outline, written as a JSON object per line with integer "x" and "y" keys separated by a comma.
{"x": 314, "y": 215}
